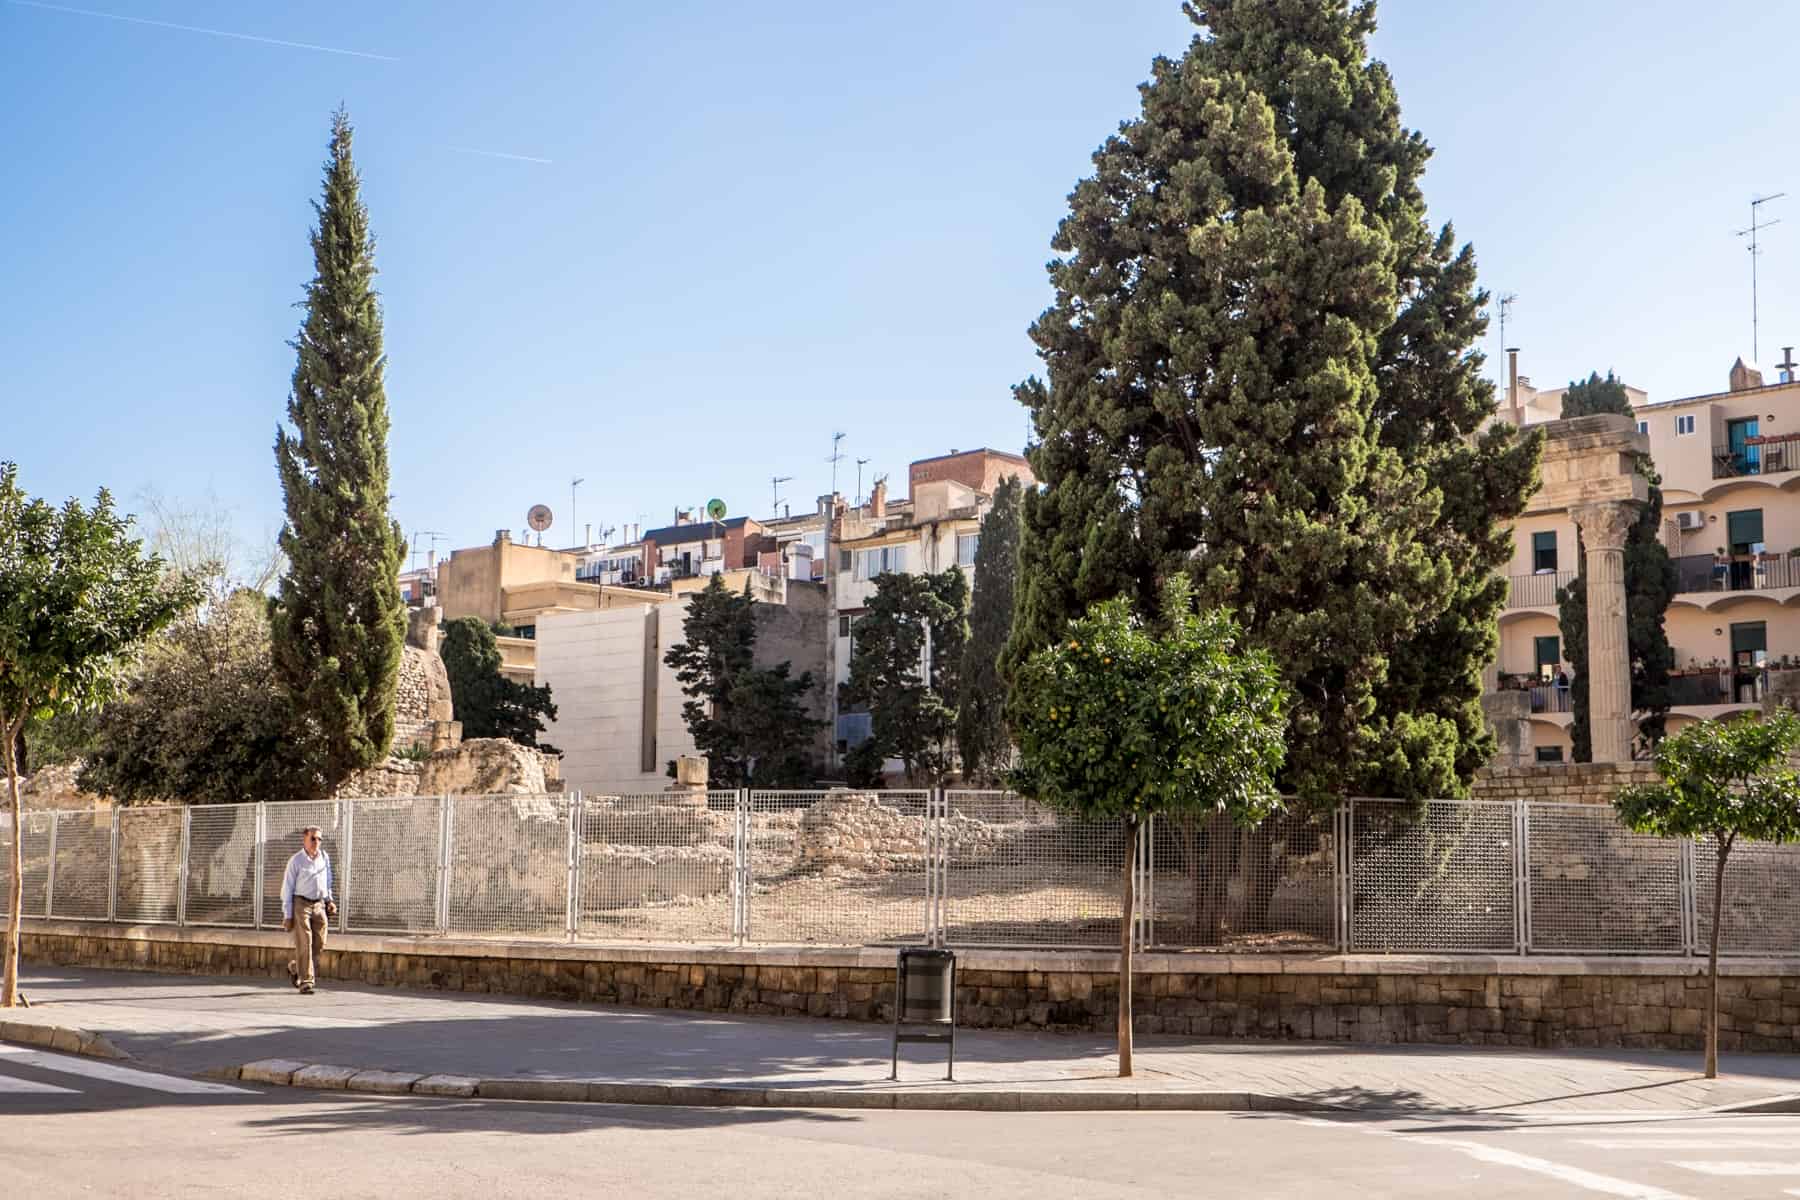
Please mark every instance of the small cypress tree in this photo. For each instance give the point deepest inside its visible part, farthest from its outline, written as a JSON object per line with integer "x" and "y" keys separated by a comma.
{"x": 1651, "y": 580}
{"x": 981, "y": 734}
{"x": 337, "y": 623}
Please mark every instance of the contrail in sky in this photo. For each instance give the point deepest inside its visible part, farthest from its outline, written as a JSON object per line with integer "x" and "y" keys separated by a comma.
{"x": 224, "y": 33}
{"x": 498, "y": 154}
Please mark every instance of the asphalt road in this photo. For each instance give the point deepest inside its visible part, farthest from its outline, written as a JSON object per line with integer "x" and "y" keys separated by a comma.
{"x": 82, "y": 1127}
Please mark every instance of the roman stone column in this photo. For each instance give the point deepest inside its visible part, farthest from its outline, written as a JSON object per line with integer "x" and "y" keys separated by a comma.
{"x": 1604, "y": 527}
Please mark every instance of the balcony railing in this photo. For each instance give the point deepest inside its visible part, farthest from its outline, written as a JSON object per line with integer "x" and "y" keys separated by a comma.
{"x": 1720, "y": 685}
{"x": 1539, "y": 590}
{"x": 1743, "y": 573}
{"x": 1760, "y": 456}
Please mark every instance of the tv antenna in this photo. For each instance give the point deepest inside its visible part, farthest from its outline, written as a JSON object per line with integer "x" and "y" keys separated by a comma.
{"x": 860, "y": 464}
{"x": 837, "y": 456}
{"x": 1757, "y": 224}
{"x": 775, "y": 492}
{"x": 1506, "y": 303}
{"x": 433, "y": 534}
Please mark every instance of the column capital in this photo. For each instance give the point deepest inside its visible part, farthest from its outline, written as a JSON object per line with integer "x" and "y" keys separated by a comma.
{"x": 1605, "y": 525}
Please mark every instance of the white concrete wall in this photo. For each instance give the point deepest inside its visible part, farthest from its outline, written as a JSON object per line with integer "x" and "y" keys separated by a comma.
{"x": 593, "y": 663}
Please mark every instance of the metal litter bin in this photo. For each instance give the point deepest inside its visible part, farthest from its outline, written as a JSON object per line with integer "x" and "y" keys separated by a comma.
{"x": 925, "y": 1002}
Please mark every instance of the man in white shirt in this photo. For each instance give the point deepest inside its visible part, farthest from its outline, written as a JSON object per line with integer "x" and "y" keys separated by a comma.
{"x": 307, "y": 906}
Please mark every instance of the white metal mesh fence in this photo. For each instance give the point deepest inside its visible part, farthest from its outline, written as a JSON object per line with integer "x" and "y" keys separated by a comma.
{"x": 657, "y": 867}
{"x": 1595, "y": 887}
{"x": 83, "y": 882}
{"x": 1762, "y": 898}
{"x": 1441, "y": 878}
{"x": 509, "y": 865}
{"x": 837, "y": 868}
{"x": 394, "y": 865}
{"x": 282, "y": 825}
{"x": 1017, "y": 874}
{"x": 968, "y": 868}
{"x": 1270, "y": 888}
{"x": 221, "y": 865}
{"x": 149, "y": 869}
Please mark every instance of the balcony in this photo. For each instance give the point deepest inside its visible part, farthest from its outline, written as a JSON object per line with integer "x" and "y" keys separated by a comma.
{"x": 1739, "y": 573}
{"x": 1697, "y": 688}
{"x": 1539, "y": 590}
{"x": 1764, "y": 455}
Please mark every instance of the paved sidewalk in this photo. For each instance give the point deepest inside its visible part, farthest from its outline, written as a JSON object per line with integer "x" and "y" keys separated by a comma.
{"x": 199, "y": 1024}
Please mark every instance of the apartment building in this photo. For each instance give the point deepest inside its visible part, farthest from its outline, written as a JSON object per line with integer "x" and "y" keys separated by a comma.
{"x": 1730, "y": 466}
{"x": 937, "y": 527}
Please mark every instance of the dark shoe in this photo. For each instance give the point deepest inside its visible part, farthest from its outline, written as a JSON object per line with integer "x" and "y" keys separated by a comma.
{"x": 306, "y": 989}
{"x": 293, "y": 975}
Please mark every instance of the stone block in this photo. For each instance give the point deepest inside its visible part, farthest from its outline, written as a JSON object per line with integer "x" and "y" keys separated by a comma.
{"x": 320, "y": 1075}
{"x": 384, "y": 1083}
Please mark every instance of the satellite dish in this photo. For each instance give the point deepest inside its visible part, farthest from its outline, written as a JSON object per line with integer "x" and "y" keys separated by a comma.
{"x": 539, "y": 517}
{"x": 715, "y": 509}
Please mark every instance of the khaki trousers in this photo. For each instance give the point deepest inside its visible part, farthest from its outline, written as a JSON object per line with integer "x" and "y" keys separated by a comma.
{"x": 311, "y": 928}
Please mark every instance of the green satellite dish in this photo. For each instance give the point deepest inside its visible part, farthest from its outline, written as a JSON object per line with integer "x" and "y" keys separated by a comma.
{"x": 715, "y": 509}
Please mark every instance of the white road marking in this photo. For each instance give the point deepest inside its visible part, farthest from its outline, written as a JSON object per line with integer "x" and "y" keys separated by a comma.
{"x": 1742, "y": 1168}
{"x": 1575, "y": 1176}
{"x": 9, "y": 1084}
{"x": 112, "y": 1073}
{"x": 1698, "y": 1141}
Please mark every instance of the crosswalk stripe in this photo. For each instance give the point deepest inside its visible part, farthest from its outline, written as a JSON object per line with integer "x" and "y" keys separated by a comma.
{"x": 9, "y": 1084}
{"x": 113, "y": 1073}
{"x": 1575, "y": 1176}
{"x": 1742, "y": 1168}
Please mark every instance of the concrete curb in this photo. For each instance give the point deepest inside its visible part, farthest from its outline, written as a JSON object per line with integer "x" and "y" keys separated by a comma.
{"x": 61, "y": 1037}
{"x": 1789, "y": 1103}
{"x": 288, "y": 1073}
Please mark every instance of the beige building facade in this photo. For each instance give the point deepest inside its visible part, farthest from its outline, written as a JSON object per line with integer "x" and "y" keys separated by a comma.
{"x": 1730, "y": 467}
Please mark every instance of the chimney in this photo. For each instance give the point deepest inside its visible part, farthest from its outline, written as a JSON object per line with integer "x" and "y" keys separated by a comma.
{"x": 502, "y": 535}
{"x": 1512, "y": 378}
{"x": 1787, "y": 366}
{"x": 587, "y": 534}
{"x": 1744, "y": 376}
{"x": 431, "y": 559}
{"x": 878, "y": 499}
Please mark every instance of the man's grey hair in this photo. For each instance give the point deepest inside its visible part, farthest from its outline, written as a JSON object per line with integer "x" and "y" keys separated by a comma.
{"x": 312, "y": 829}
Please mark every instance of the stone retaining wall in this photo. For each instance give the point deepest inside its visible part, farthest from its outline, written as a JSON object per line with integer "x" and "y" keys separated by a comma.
{"x": 1635, "y": 1003}
{"x": 1560, "y": 783}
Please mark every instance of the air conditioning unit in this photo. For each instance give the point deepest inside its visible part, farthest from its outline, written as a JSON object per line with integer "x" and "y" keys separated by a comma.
{"x": 1689, "y": 521}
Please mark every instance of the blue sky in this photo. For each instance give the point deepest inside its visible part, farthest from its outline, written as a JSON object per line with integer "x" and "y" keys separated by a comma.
{"x": 756, "y": 225}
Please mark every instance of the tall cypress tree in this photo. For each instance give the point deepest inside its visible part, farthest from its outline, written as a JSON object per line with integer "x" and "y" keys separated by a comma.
{"x": 1261, "y": 371}
{"x": 337, "y": 622}
{"x": 982, "y": 739}
{"x": 1651, "y": 580}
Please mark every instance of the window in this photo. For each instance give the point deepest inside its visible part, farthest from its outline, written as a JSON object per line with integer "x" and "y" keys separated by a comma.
{"x": 965, "y": 548}
{"x": 1684, "y": 424}
{"x": 1543, "y": 551}
{"x": 847, "y": 623}
{"x": 880, "y": 561}
{"x": 1547, "y": 655}
{"x": 1549, "y": 754}
{"x": 843, "y": 560}
{"x": 1643, "y": 427}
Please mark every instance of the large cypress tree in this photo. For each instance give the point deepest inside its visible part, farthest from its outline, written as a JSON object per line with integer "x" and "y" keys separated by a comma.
{"x": 337, "y": 623}
{"x": 1261, "y": 371}
{"x": 1651, "y": 580}
{"x": 982, "y": 739}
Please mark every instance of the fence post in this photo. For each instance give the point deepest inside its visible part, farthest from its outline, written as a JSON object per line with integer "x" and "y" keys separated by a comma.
{"x": 50, "y": 871}
{"x": 1521, "y": 877}
{"x": 1346, "y": 875}
{"x": 347, "y": 824}
{"x": 573, "y": 915}
{"x": 742, "y": 831}
{"x": 446, "y": 832}
{"x": 181, "y": 875}
{"x": 259, "y": 867}
{"x": 112, "y": 871}
{"x": 1690, "y": 913}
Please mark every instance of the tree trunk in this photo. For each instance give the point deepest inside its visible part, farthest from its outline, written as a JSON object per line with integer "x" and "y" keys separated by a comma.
{"x": 15, "y": 890}
{"x": 1125, "y": 932}
{"x": 1712, "y": 962}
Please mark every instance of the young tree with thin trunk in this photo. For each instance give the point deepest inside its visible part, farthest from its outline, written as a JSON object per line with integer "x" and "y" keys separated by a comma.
{"x": 338, "y": 623}
{"x": 78, "y": 597}
{"x": 1723, "y": 780}
{"x": 982, "y": 739}
{"x": 1124, "y": 719}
